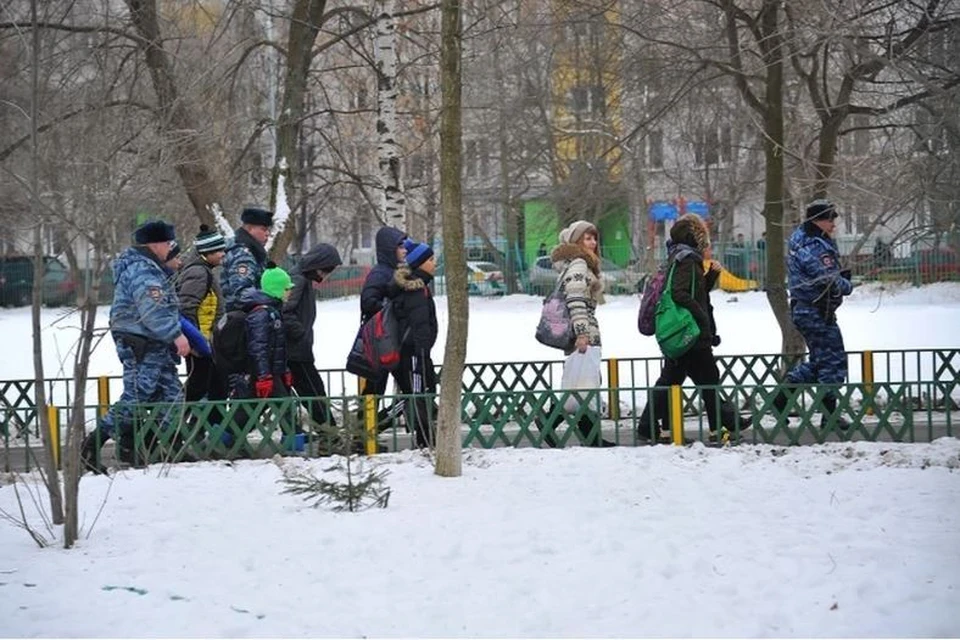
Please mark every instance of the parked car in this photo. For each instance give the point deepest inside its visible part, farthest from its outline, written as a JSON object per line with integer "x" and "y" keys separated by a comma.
{"x": 16, "y": 282}
{"x": 346, "y": 280}
{"x": 483, "y": 279}
{"x": 616, "y": 279}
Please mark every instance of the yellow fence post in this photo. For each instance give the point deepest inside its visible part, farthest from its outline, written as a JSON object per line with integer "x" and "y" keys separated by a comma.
{"x": 53, "y": 417}
{"x": 103, "y": 395}
{"x": 370, "y": 423}
{"x": 867, "y": 376}
{"x": 676, "y": 414}
{"x": 613, "y": 382}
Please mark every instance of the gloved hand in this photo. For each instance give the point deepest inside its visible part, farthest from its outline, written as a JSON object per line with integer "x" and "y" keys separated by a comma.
{"x": 716, "y": 340}
{"x": 288, "y": 379}
{"x": 264, "y": 386}
{"x": 846, "y": 274}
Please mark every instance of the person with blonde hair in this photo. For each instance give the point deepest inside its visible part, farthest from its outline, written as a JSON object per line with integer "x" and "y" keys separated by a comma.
{"x": 577, "y": 261}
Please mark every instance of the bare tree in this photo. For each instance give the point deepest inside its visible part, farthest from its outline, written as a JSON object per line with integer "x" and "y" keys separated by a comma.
{"x": 449, "y": 445}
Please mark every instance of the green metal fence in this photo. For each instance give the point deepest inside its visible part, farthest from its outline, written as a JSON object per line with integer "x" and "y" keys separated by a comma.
{"x": 878, "y": 411}
{"x": 941, "y": 366}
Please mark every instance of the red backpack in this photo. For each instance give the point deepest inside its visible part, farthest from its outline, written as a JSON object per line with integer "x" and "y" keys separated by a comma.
{"x": 377, "y": 345}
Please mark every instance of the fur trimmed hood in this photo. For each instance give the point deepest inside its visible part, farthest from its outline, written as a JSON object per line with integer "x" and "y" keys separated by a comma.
{"x": 565, "y": 253}
{"x": 407, "y": 280}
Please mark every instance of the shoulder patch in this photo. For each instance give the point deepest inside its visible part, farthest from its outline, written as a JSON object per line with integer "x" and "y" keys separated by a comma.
{"x": 242, "y": 269}
{"x": 827, "y": 261}
{"x": 156, "y": 293}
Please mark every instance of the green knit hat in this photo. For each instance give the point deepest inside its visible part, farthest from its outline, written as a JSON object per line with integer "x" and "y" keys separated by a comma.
{"x": 275, "y": 281}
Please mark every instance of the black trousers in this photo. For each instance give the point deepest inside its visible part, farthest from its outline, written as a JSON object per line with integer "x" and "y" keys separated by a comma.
{"x": 204, "y": 381}
{"x": 417, "y": 376}
{"x": 701, "y": 367}
{"x": 308, "y": 384}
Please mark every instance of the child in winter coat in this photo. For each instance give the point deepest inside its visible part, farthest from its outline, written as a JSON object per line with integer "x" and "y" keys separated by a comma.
{"x": 267, "y": 375}
{"x": 417, "y": 322}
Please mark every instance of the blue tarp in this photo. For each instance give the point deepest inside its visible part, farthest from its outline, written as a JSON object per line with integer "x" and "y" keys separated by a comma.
{"x": 661, "y": 211}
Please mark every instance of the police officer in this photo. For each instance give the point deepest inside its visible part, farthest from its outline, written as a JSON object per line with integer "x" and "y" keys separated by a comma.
{"x": 246, "y": 258}
{"x": 817, "y": 286}
{"x": 145, "y": 324}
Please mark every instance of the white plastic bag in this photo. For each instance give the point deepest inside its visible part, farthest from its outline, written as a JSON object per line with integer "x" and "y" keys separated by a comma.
{"x": 581, "y": 371}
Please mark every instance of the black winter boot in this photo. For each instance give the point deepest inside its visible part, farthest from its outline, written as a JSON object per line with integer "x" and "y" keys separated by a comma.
{"x": 830, "y": 414}
{"x": 548, "y": 428}
{"x": 586, "y": 425}
{"x": 90, "y": 453}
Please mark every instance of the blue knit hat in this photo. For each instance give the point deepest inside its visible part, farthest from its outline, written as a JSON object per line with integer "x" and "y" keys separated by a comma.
{"x": 154, "y": 231}
{"x": 417, "y": 253}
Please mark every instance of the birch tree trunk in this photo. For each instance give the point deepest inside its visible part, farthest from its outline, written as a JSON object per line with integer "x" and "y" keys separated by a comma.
{"x": 449, "y": 445}
{"x": 394, "y": 204}
{"x": 176, "y": 119}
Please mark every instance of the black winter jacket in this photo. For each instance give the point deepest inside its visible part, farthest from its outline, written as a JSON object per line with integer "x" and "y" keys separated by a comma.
{"x": 300, "y": 309}
{"x": 379, "y": 283}
{"x": 416, "y": 311}
{"x": 690, "y": 269}
{"x": 266, "y": 342}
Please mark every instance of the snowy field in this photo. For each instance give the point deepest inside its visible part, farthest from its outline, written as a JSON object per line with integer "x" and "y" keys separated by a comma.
{"x": 501, "y": 329}
{"x": 836, "y": 540}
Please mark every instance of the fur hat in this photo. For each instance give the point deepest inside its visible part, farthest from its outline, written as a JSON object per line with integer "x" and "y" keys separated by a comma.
{"x": 275, "y": 281}
{"x": 209, "y": 240}
{"x": 691, "y": 230}
{"x": 256, "y": 215}
{"x": 417, "y": 253}
{"x": 573, "y": 233}
{"x": 821, "y": 210}
{"x": 154, "y": 231}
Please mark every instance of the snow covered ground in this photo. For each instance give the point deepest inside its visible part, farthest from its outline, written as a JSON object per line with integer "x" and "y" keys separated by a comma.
{"x": 824, "y": 541}
{"x": 827, "y": 541}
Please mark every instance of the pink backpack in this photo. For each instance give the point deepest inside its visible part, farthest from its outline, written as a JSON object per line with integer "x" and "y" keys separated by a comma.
{"x": 647, "y": 316}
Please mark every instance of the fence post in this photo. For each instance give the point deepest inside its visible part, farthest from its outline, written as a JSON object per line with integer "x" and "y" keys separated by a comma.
{"x": 613, "y": 392}
{"x": 103, "y": 395}
{"x": 53, "y": 416}
{"x": 866, "y": 370}
{"x": 676, "y": 414}
{"x": 370, "y": 423}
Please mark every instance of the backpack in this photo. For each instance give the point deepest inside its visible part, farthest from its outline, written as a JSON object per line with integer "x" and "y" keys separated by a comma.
{"x": 377, "y": 345}
{"x": 677, "y": 329}
{"x": 647, "y": 315}
{"x": 555, "y": 328}
{"x": 229, "y": 342}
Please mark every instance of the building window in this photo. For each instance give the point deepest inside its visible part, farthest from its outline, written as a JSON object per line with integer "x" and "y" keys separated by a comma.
{"x": 361, "y": 98}
{"x": 256, "y": 170}
{"x": 726, "y": 145}
{"x": 588, "y": 99}
{"x": 655, "y": 149}
{"x": 706, "y": 149}
{"x": 470, "y": 159}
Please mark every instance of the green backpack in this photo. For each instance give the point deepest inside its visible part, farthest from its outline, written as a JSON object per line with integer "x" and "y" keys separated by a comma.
{"x": 677, "y": 329}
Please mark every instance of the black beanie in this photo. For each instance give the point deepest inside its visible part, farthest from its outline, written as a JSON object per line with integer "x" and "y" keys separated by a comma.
{"x": 154, "y": 231}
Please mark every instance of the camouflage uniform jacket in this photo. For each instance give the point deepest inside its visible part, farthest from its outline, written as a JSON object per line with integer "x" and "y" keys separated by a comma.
{"x": 144, "y": 302}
